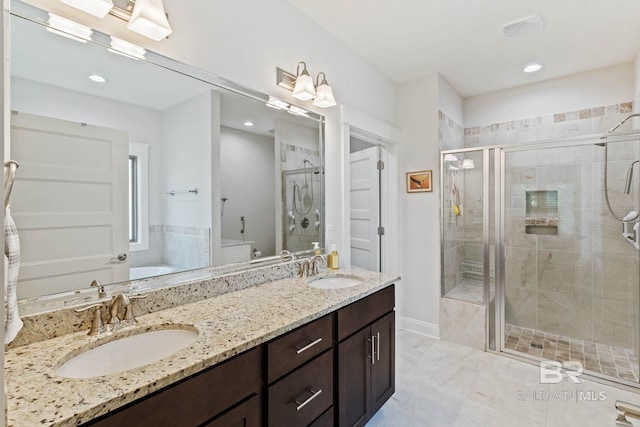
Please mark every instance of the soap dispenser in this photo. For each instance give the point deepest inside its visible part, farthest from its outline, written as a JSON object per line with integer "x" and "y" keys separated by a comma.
{"x": 316, "y": 248}
{"x": 333, "y": 260}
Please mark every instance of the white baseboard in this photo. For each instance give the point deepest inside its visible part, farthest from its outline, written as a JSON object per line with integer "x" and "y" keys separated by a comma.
{"x": 419, "y": 327}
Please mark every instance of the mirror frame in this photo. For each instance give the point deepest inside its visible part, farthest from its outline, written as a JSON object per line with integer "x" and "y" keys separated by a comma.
{"x": 48, "y": 302}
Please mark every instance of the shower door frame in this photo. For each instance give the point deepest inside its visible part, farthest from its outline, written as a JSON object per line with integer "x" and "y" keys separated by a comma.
{"x": 500, "y": 245}
{"x": 486, "y": 228}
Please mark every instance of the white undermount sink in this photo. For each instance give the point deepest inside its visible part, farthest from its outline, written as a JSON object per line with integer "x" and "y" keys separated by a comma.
{"x": 338, "y": 281}
{"x": 127, "y": 353}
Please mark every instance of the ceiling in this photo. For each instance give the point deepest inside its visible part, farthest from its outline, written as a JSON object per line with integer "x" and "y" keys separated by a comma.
{"x": 462, "y": 39}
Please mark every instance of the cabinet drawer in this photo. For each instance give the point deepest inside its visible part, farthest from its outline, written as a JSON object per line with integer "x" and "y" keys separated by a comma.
{"x": 303, "y": 344}
{"x": 361, "y": 313}
{"x": 196, "y": 399}
{"x": 325, "y": 420}
{"x": 303, "y": 395}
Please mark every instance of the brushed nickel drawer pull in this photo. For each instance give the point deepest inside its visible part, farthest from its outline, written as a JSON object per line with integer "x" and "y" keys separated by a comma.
{"x": 314, "y": 394}
{"x": 378, "y": 345}
{"x": 308, "y": 346}
{"x": 373, "y": 349}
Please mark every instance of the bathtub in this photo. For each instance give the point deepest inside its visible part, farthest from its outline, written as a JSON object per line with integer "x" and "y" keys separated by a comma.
{"x": 149, "y": 271}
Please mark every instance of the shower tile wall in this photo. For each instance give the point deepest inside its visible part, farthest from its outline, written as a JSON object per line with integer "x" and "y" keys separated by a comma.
{"x": 582, "y": 282}
{"x": 186, "y": 248}
{"x": 292, "y": 157}
{"x": 451, "y": 136}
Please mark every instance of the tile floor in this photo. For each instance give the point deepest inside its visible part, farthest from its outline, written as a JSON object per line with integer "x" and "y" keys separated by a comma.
{"x": 439, "y": 383}
{"x": 614, "y": 361}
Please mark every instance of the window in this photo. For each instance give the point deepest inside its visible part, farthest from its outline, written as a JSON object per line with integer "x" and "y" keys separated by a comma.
{"x": 138, "y": 196}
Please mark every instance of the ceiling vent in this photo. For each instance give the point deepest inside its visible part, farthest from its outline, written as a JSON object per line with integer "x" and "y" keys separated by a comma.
{"x": 523, "y": 27}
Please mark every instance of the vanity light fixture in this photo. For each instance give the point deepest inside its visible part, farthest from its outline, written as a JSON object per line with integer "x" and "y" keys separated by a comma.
{"x": 67, "y": 28}
{"x": 450, "y": 158}
{"x": 145, "y": 17}
{"x": 149, "y": 19}
{"x": 248, "y": 123}
{"x": 99, "y": 8}
{"x": 303, "y": 87}
{"x": 468, "y": 164}
{"x": 297, "y": 111}
{"x": 124, "y": 48}
{"x": 277, "y": 103}
{"x": 324, "y": 98}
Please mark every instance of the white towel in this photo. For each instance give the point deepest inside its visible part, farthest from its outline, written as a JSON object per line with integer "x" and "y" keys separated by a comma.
{"x": 13, "y": 323}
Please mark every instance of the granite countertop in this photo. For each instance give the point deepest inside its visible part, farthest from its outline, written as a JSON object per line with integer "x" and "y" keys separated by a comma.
{"x": 228, "y": 325}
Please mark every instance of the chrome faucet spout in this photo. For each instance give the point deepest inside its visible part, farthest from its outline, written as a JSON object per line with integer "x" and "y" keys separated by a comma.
{"x": 118, "y": 302}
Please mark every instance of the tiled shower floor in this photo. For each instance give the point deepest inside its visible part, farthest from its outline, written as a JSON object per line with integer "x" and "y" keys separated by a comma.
{"x": 613, "y": 361}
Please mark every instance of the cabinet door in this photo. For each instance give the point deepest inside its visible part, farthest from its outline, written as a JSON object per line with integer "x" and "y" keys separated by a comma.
{"x": 246, "y": 414}
{"x": 354, "y": 360}
{"x": 383, "y": 368}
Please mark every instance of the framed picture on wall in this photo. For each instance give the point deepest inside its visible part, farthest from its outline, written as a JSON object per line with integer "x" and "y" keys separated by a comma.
{"x": 419, "y": 182}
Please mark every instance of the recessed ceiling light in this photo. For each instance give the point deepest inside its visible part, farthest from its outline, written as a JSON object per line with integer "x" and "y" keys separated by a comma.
{"x": 532, "y": 68}
{"x": 248, "y": 123}
{"x": 97, "y": 78}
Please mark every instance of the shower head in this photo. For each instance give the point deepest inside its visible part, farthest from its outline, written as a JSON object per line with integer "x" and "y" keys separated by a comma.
{"x": 621, "y": 122}
{"x": 627, "y": 184}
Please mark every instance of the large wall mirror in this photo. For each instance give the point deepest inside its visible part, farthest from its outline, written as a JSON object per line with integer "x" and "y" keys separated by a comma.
{"x": 131, "y": 168}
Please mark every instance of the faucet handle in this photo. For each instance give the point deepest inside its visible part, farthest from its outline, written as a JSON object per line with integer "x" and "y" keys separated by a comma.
{"x": 97, "y": 325}
{"x": 129, "y": 318}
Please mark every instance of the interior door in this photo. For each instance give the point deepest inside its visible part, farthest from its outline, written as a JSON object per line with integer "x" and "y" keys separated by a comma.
{"x": 365, "y": 209}
{"x": 69, "y": 203}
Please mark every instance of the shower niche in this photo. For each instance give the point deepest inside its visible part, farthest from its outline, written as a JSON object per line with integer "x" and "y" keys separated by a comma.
{"x": 542, "y": 213}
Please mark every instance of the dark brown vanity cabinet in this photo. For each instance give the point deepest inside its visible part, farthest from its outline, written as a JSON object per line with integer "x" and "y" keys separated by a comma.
{"x": 366, "y": 357}
{"x": 301, "y": 376}
{"x": 336, "y": 370}
{"x": 224, "y": 395}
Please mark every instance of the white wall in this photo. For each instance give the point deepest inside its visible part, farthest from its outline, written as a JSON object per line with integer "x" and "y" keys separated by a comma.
{"x": 419, "y": 291}
{"x": 449, "y": 102}
{"x": 142, "y": 124}
{"x": 601, "y": 87}
{"x": 186, "y": 145}
{"x": 248, "y": 180}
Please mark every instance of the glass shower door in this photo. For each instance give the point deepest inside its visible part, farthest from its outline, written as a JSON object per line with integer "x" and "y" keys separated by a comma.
{"x": 571, "y": 276}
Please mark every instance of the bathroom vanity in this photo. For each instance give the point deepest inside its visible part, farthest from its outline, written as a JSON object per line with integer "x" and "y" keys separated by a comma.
{"x": 278, "y": 353}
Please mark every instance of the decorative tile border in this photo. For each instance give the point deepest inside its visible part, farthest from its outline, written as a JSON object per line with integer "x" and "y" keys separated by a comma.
{"x": 588, "y": 113}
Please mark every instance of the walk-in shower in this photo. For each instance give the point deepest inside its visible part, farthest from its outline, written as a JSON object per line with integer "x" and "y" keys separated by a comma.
{"x": 527, "y": 236}
{"x": 301, "y": 197}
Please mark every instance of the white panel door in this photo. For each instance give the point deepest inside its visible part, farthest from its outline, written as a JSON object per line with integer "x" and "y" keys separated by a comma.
{"x": 365, "y": 199}
{"x": 69, "y": 203}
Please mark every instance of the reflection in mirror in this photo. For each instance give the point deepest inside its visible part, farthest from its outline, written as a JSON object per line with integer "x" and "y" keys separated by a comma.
{"x": 150, "y": 171}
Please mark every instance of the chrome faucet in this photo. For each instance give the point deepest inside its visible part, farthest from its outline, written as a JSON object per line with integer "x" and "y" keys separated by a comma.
{"x": 309, "y": 267}
{"x": 313, "y": 264}
{"x": 118, "y": 303}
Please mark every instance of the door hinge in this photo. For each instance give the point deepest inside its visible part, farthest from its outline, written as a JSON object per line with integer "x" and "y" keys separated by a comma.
{"x": 380, "y": 165}
{"x": 380, "y": 231}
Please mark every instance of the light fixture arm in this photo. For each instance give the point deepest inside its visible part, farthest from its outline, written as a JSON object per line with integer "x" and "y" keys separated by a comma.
{"x": 304, "y": 69}
{"x": 324, "y": 79}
